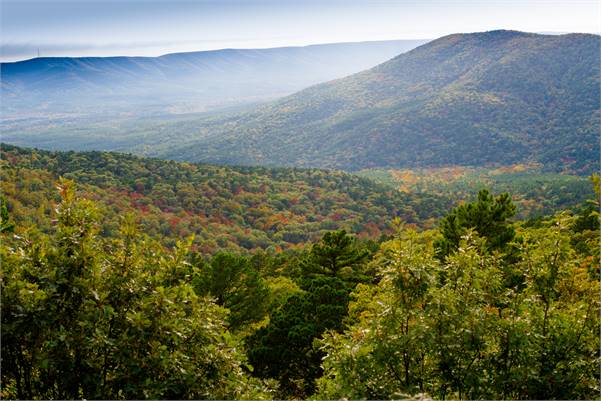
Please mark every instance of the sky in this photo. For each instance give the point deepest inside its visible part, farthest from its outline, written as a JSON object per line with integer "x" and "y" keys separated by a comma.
{"x": 155, "y": 27}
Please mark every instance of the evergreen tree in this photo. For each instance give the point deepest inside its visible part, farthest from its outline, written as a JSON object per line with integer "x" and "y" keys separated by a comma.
{"x": 336, "y": 255}
{"x": 488, "y": 216}
{"x": 284, "y": 350}
{"x": 6, "y": 225}
{"x": 235, "y": 285}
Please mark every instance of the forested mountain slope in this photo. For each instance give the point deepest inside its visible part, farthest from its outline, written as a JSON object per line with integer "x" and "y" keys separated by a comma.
{"x": 235, "y": 208}
{"x": 498, "y": 97}
{"x": 534, "y": 191}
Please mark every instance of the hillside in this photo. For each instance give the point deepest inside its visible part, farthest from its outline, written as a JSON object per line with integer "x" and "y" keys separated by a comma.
{"x": 499, "y": 97}
{"x": 235, "y": 208}
{"x": 534, "y": 191}
{"x": 181, "y": 82}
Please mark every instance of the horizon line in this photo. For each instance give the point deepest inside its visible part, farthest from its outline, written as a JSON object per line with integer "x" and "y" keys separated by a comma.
{"x": 549, "y": 33}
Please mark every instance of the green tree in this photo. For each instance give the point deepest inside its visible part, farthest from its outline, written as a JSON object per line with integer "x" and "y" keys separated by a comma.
{"x": 5, "y": 224}
{"x": 336, "y": 255}
{"x": 50, "y": 290}
{"x": 284, "y": 349}
{"x": 562, "y": 310}
{"x": 86, "y": 318}
{"x": 454, "y": 329}
{"x": 488, "y": 216}
{"x": 585, "y": 236}
{"x": 384, "y": 353}
{"x": 235, "y": 285}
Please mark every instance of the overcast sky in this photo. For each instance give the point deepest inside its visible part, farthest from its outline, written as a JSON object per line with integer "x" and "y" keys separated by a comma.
{"x": 154, "y": 27}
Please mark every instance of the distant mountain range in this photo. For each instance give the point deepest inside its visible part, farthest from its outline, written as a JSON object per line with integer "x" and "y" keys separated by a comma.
{"x": 465, "y": 99}
{"x": 181, "y": 82}
{"x": 479, "y": 99}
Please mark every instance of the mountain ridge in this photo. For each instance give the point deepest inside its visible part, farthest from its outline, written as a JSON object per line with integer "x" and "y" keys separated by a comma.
{"x": 207, "y": 78}
{"x": 225, "y": 49}
{"x": 460, "y": 99}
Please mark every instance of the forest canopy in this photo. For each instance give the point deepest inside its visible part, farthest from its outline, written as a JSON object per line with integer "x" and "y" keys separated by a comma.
{"x": 124, "y": 316}
{"x": 234, "y": 208}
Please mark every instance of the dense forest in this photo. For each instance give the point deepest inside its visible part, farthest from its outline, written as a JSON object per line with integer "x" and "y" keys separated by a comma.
{"x": 235, "y": 208}
{"x": 245, "y": 209}
{"x": 535, "y": 191}
{"x": 100, "y": 303}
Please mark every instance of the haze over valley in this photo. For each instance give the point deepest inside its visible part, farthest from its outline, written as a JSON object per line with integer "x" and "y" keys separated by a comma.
{"x": 181, "y": 82}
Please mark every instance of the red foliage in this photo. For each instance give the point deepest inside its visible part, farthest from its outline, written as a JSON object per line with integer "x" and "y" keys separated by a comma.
{"x": 135, "y": 195}
{"x": 173, "y": 221}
